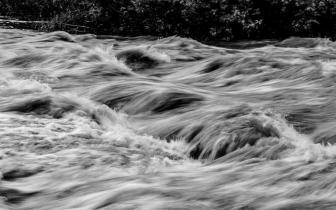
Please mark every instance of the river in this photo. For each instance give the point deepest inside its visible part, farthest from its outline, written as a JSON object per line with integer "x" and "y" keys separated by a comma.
{"x": 92, "y": 122}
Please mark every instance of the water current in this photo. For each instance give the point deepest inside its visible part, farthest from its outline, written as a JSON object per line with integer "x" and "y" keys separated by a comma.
{"x": 89, "y": 122}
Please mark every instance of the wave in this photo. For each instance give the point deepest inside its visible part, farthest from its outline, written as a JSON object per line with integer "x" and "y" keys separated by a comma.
{"x": 142, "y": 58}
{"x": 295, "y": 42}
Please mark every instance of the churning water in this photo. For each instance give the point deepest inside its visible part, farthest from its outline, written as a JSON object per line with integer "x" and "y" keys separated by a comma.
{"x": 143, "y": 123}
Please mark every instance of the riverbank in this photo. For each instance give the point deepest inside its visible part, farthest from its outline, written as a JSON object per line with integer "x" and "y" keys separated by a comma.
{"x": 198, "y": 19}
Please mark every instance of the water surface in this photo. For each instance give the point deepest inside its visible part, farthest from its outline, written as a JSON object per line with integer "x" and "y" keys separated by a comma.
{"x": 114, "y": 123}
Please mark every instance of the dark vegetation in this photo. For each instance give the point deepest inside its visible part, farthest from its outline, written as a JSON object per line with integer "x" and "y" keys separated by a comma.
{"x": 199, "y": 19}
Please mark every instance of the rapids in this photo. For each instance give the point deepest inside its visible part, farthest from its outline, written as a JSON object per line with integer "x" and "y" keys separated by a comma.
{"x": 89, "y": 122}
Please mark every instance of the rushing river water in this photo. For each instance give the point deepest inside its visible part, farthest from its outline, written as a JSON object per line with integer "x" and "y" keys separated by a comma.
{"x": 143, "y": 123}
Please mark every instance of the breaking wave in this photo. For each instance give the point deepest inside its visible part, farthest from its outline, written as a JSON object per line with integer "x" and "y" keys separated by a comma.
{"x": 92, "y": 122}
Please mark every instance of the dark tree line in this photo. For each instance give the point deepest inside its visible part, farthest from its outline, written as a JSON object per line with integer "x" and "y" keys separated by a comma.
{"x": 199, "y": 19}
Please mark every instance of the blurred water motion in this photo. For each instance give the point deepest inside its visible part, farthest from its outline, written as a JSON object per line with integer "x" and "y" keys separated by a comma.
{"x": 88, "y": 123}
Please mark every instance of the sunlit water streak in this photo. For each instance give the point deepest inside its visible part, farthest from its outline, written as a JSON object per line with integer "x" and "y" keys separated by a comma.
{"x": 143, "y": 123}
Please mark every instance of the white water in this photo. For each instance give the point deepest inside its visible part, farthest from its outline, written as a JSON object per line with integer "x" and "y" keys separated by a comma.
{"x": 89, "y": 123}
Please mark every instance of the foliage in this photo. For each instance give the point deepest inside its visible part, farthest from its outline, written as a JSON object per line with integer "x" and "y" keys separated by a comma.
{"x": 199, "y": 19}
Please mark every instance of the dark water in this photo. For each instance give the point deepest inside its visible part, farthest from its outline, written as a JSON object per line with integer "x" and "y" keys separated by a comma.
{"x": 89, "y": 123}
